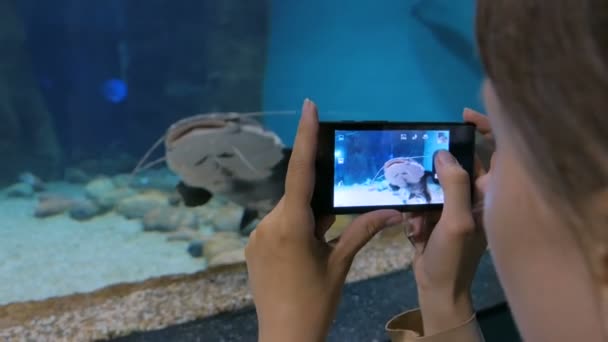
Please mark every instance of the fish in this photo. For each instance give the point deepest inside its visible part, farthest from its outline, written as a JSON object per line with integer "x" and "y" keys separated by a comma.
{"x": 458, "y": 43}
{"x": 229, "y": 155}
{"x": 407, "y": 174}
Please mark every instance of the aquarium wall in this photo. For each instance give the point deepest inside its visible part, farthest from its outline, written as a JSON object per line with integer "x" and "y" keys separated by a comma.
{"x": 93, "y": 246}
{"x": 86, "y": 88}
{"x": 99, "y": 81}
{"x": 371, "y": 60}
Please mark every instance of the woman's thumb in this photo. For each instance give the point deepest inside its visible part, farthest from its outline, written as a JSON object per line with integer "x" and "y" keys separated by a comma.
{"x": 456, "y": 184}
{"x": 360, "y": 231}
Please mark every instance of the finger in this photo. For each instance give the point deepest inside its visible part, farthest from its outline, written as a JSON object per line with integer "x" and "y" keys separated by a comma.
{"x": 481, "y": 184}
{"x": 479, "y": 169}
{"x": 416, "y": 233}
{"x": 410, "y": 228}
{"x": 300, "y": 179}
{"x": 484, "y": 148}
{"x": 481, "y": 122}
{"x": 333, "y": 242}
{"x": 360, "y": 231}
{"x": 481, "y": 179}
{"x": 323, "y": 225}
{"x": 481, "y": 176}
{"x": 456, "y": 185}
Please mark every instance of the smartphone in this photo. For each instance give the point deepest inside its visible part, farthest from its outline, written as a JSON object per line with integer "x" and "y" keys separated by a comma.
{"x": 368, "y": 165}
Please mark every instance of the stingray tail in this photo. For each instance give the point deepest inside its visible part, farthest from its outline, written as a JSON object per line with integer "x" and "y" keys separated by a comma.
{"x": 249, "y": 221}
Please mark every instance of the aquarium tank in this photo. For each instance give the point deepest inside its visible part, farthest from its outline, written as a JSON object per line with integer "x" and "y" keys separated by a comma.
{"x": 117, "y": 166}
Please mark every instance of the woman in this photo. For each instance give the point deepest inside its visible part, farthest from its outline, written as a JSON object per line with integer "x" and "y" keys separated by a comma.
{"x": 545, "y": 198}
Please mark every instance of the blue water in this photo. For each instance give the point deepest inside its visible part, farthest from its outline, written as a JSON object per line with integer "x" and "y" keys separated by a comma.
{"x": 364, "y": 60}
{"x": 358, "y": 60}
{"x": 93, "y": 84}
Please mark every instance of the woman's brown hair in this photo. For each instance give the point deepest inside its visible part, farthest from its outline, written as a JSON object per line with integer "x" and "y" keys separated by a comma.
{"x": 548, "y": 64}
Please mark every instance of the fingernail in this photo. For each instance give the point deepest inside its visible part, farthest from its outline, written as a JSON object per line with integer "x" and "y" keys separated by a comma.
{"x": 307, "y": 107}
{"x": 446, "y": 157}
{"x": 394, "y": 220}
{"x": 415, "y": 238}
{"x": 305, "y": 104}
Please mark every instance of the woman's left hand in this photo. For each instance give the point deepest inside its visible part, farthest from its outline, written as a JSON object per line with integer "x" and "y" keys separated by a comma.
{"x": 296, "y": 277}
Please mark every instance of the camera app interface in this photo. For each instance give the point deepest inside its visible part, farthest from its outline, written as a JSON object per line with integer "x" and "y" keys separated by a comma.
{"x": 373, "y": 168}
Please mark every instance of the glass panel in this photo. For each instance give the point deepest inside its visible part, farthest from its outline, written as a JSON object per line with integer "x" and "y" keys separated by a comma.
{"x": 87, "y": 87}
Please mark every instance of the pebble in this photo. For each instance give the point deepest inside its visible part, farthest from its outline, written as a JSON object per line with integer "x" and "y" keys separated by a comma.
{"x": 159, "y": 179}
{"x": 123, "y": 180}
{"x": 51, "y": 205}
{"x": 35, "y": 181}
{"x": 138, "y": 205}
{"x": 236, "y": 256}
{"x": 84, "y": 210}
{"x": 169, "y": 219}
{"x": 108, "y": 200}
{"x": 222, "y": 242}
{"x": 184, "y": 234}
{"x": 195, "y": 249}
{"x": 99, "y": 188}
{"x": 156, "y": 307}
{"x": 20, "y": 190}
{"x": 174, "y": 199}
{"x": 225, "y": 218}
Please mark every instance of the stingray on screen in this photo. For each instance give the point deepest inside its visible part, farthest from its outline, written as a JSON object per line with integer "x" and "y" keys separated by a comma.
{"x": 373, "y": 168}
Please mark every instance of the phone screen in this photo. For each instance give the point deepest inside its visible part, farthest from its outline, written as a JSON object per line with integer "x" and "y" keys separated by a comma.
{"x": 387, "y": 167}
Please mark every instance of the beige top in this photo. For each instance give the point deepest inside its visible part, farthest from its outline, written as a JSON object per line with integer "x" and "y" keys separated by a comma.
{"x": 407, "y": 327}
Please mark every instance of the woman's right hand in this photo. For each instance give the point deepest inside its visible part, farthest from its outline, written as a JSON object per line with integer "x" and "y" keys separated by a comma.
{"x": 449, "y": 244}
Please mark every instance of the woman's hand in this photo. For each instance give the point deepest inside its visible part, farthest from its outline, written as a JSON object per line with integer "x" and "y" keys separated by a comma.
{"x": 485, "y": 147}
{"x": 296, "y": 277}
{"x": 449, "y": 244}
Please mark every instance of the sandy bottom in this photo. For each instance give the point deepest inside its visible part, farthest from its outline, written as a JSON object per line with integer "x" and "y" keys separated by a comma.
{"x": 42, "y": 258}
{"x": 365, "y": 195}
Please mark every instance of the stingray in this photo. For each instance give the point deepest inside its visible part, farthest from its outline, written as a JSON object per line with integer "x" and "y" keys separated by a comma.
{"x": 405, "y": 175}
{"x": 226, "y": 154}
{"x": 456, "y": 41}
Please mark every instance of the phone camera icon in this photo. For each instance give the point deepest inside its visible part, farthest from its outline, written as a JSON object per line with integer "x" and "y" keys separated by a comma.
{"x": 340, "y": 137}
{"x": 403, "y": 136}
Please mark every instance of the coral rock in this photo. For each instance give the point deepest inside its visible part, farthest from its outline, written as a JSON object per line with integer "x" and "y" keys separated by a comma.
{"x": 138, "y": 205}
{"x": 109, "y": 199}
{"x": 50, "y": 205}
{"x": 98, "y": 188}
{"x": 225, "y": 218}
{"x": 222, "y": 242}
{"x": 84, "y": 210}
{"x": 196, "y": 249}
{"x": 33, "y": 180}
{"x": 20, "y": 190}
{"x": 236, "y": 256}
{"x": 169, "y": 219}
